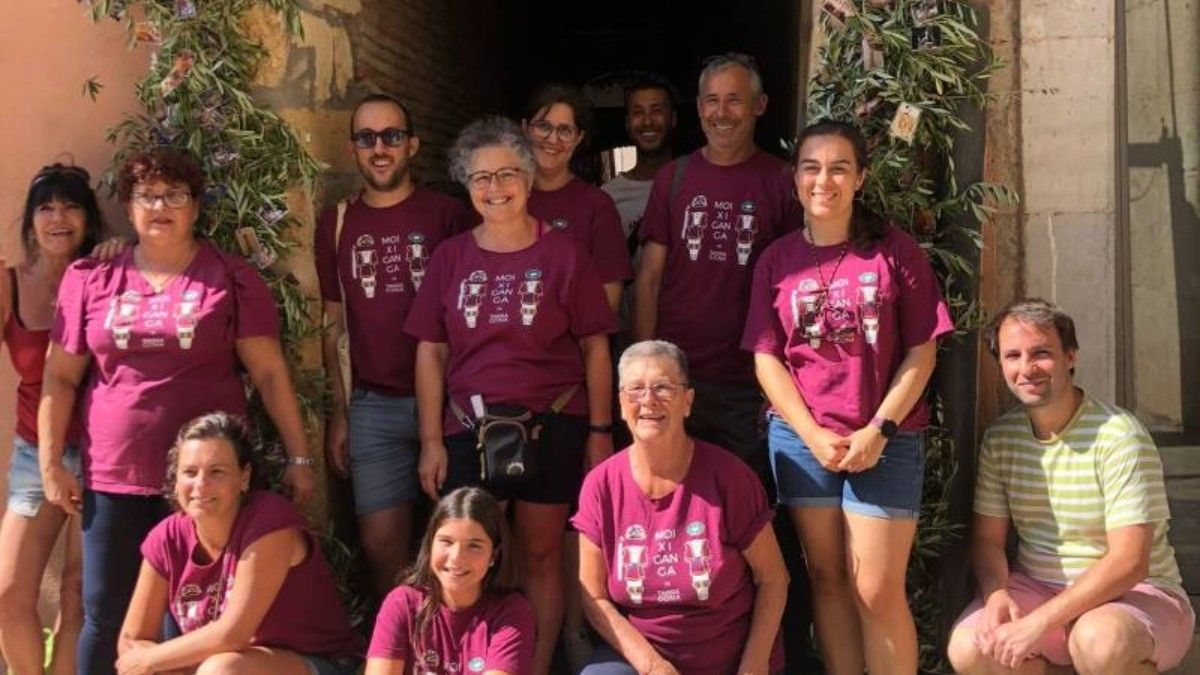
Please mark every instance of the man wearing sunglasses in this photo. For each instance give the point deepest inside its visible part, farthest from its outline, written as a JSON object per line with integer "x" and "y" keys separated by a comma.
{"x": 709, "y": 216}
{"x": 370, "y": 257}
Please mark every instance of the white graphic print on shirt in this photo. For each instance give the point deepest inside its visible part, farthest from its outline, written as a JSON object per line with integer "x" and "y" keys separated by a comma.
{"x": 133, "y": 314}
{"x": 664, "y": 555}
{"x": 495, "y": 296}
{"x": 834, "y": 315}
{"x": 722, "y": 226}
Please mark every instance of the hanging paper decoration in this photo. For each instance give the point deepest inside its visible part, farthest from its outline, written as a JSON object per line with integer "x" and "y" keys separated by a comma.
{"x": 185, "y": 9}
{"x": 904, "y": 123}
{"x": 872, "y": 52}
{"x": 180, "y": 68}
{"x": 253, "y": 249}
{"x": 837, "y": 11}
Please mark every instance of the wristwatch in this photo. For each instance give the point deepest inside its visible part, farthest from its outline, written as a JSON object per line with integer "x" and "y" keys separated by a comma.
{"x": 886, "y": 427}
{"x": 302, "y": 461}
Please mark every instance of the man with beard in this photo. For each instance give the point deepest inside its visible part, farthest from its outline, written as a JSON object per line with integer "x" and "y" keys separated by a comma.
{"x": 650, "y": 121}
{"x": 370, "y": 258}
{"x": 709, "y": 216}
{"x": 1095, "y": 586}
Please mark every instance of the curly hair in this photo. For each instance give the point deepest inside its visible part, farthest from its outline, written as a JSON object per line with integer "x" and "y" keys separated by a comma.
{"x": 489, "y": 132}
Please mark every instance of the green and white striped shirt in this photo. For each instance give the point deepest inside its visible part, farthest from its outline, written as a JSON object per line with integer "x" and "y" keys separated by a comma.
{"x": 1064, "y": 494}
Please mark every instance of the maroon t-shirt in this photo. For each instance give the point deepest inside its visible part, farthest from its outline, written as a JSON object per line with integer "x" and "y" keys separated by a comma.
{"x": 512, "y": 320}
{"x": 844, "y": 344}
{"x": 306, "y": 617}
{"x": 382, "y": 258}
{"x": 496, "y": 633}
{"x": 159, "y": 358}
{"x": 721, "y": 219}
{"x": 588, "y": 214}
{"x": 675, "y": 564}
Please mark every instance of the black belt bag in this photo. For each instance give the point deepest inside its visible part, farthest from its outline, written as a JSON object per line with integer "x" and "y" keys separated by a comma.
{"x": 507, "y": 437}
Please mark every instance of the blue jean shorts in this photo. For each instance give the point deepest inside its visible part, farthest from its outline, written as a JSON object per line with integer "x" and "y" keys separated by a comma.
{"x": 384, "y": 446}
{"x": 328, "y": 665}
{"x": 891, "y": 489}
{"x": 25, "y": 495}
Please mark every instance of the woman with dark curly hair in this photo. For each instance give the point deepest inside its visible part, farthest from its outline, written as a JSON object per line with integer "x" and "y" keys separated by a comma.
{"x": 226, "y": 533}
{"x": 155, "y": 337}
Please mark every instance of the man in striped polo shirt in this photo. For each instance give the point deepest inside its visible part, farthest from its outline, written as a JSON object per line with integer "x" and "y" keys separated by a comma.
{"x": 1095, "y": 586}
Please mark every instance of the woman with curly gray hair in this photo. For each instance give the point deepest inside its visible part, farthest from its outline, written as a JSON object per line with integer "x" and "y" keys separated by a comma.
{"x": 512, "y": 318}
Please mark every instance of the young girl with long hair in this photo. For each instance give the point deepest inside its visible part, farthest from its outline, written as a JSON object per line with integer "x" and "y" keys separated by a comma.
{"x": 458, "y": 608}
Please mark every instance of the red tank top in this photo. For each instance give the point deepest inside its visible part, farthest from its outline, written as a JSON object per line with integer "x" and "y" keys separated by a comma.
{"x": 27, "y": 349}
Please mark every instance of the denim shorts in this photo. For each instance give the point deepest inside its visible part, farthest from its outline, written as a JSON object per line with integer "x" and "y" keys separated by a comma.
{"x": 25, "y": 495}
{"x": 384, "y": 446}
{"x": 328, "y": 665}
{"x": 891, "y": 489}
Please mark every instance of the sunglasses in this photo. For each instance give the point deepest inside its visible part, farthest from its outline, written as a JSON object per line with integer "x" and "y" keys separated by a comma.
{"x": 364, "y": 139}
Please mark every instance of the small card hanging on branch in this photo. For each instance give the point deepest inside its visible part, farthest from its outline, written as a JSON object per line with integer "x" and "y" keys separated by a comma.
{"x": 837, "y": 11}
{"x": 180, "y": 68}
{"x": 872, "y": 53}
{"x": 224, "y": 156}
{"x": 273, "y": 216}
{"x": 147, "y": 32}
{"x": 904, "y": 123}
{"x": 865, "y": 108}
{"x": 926, "y": 38}
{"x": 253, "y": 249}
{"x": 924, "y": 12}
{"x": 185, "y": 9}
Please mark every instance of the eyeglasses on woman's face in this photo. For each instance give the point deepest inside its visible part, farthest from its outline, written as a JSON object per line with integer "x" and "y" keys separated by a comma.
{"x": 174, "y": 198}
{"x": 482, "y": 180}
{"x": 662, "y": 391}
{"x": 567, "y": 133}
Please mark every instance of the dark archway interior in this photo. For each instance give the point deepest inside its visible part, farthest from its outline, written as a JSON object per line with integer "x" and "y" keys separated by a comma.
{"x": 578, "y": 42}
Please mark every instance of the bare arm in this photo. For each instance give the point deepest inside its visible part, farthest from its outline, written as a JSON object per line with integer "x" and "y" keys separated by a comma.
{"x": 143, "y": 620}
{"x": 612, "y": 292}
{"x": 260, "y": 574}
{"x": 604, "y": 617}
{"x": 771, "y": 578}
{"x": 905, "y": 389}
{"x": 61, "y": 379}
{"x": 645, "y": 290}
{"x": 828, "y": 447}
{"x": 335, "y": 424}
{"x": 263, "y": 359}
{"x": 431, "y": 394}
{"x": 597, "y": 365}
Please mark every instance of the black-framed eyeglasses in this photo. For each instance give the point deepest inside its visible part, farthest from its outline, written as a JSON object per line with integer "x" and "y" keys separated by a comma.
{"x": 174, "y": 198}
{"x": 392, "y": 137}
{"x": 565, "y": 132}
{"x": 482, "y": 180}
{"x": 662, "y": 391}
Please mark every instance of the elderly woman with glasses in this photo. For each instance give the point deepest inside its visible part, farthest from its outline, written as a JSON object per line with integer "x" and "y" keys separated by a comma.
{"x": 512, "y": 316}
{"x": 556, "y": 121}
{"x": 155, "y": 337}
{"x": 678, "y": 561}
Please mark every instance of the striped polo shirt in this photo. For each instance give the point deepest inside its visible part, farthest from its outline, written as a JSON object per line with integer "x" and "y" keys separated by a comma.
{"x": 1065, "y": 493}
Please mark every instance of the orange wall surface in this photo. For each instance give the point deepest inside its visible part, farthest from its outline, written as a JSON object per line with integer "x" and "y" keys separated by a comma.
{"x": 48, "y": 49}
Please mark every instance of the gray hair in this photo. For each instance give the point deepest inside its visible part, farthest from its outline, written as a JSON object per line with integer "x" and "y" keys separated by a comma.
{"x": 715, "y": 64}
{"x": 489, "y": 132}
{"x": 652, "y": 349}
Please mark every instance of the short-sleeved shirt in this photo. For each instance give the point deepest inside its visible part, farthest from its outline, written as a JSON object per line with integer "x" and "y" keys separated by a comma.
{"x": 1064, "y": 494}
{"x": 306, "y": 616}
{"x": 496, "y": 633}
{"x": 588, "y": 214}
{"x": 718, "y": 223}
{"x": 675, "y": 565}
{"x": 382, "y": 257}
{"x": 842, "y": 318}
{"x": 630, "y": 198}
{"x": 160, "y": 358}
{"x": 512, "y": 320}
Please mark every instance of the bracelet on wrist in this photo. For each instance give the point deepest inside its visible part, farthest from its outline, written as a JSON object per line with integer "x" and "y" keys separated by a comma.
{"x": 302, "y": 461}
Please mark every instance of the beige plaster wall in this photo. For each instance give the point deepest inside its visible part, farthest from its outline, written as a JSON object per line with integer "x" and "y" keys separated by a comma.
{"x": 1068, "y": 154}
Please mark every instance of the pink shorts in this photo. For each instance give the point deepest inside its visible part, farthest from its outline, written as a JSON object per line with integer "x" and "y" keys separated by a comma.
{"x": 1167, "y": 616}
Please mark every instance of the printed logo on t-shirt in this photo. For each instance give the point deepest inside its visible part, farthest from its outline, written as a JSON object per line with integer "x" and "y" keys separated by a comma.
{"x": 151, "y": 319}
{"x": 193, "y": 607}
{"x": 665, "y": 558}
{"x": 363, "y": 265}
{"x": 416, "y": 253}
{"x": 716, "y": 224}
{"x": 839, "y": 313}
{"x": 631, "y": 562}
{"x": 431, "y": 658}
{"x": 495, "y": 297}
{"x": 475, "y": 665}
{"x": 471, "y": 293}
{"x": 560, "y": 223}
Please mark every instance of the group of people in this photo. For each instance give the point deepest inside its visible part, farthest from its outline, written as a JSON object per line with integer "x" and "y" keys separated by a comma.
{"x": 756, "y": 286}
